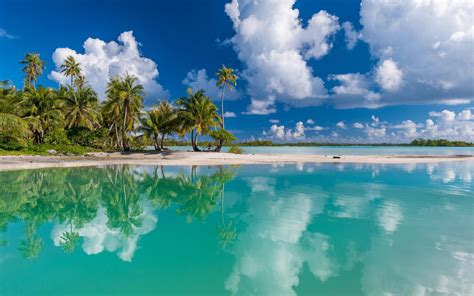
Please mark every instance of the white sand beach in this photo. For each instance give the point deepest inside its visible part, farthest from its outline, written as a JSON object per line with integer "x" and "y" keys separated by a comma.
{"x": 206, "y": 158}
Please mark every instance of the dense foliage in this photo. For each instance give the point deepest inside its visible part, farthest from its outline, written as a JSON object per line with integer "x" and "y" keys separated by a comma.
{"x": 73, "y": 116}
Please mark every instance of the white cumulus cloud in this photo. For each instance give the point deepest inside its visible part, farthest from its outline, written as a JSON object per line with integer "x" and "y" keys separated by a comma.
{"x": 229, "y": 115}
{"x": 388, "y": 75}
{"x": 354, "y": 84}
{"x": 427, "y": 44}
{"x": 275, "y": 46}
{"x": 102, "y": 60}
{"x": 351, "y": 35}
{"x": 279, "y": 132}
{"x": 341, "y": 125}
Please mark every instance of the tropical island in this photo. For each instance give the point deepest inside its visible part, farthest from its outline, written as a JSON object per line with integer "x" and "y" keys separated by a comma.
{"x": 71, "y": 121}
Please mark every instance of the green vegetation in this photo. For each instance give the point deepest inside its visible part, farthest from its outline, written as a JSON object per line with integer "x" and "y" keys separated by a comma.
{"x": 74, "y": 198}
{"x": 236, "y": 150}
{"x": 440, "y": 142}
{"x": 71, "y": 119}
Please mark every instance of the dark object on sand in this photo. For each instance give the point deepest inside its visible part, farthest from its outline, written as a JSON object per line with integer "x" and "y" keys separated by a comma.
{"x": 336, "y": 157}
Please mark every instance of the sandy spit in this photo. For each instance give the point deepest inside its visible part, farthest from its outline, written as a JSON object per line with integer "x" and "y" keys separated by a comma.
{"x": 205, "y": 158}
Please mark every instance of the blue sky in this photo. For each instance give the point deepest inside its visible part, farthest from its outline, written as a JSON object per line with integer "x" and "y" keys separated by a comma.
{"x": 329, "y": 71}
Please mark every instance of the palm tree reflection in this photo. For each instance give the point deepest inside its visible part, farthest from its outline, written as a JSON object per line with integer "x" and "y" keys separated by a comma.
{"x": 73, "y": 198}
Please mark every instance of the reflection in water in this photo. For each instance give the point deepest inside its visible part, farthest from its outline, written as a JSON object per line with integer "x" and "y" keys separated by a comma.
{"x": 108, "y": 208}
{"x": 344, "y": 230}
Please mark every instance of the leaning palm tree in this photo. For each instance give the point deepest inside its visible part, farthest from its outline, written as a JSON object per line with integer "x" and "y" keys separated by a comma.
{"x": 197, "y": 114}
{"x": 33, "y": 68}
{"x": 226, "y": 77}
{"x": 81, "y": 108}
{"x": 128, "y": 95}
{"x": 71, "y": 68}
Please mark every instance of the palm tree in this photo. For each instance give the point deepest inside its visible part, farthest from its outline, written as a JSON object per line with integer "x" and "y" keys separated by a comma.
{"x": 41, "y": 109}
{"x": 126, "y": 94}
{"x": 81, "y": 108}
{"x": 197, "y": 114}
{"x": 150, "y": 126}
{"x": 33, "y": 68}
{"x": 71, "y": 68}
{"x": 226, "y": 77}
{"x": 80, "y": 81}
{"x": 110, "y": 113}
{"x": 160, "y": 120}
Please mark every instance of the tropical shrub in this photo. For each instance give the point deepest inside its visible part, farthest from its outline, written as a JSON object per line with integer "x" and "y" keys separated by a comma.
{"x": 236, "y": 150}
{"x": 56, "y": 137}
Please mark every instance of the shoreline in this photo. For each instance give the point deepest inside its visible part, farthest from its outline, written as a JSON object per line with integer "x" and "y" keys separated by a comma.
{"x": 185, "y": 158}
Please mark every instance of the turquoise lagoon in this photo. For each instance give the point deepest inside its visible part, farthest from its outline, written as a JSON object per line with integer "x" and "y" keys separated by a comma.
{"x": 306, "y": 229}
{"x": 351, "y": 150}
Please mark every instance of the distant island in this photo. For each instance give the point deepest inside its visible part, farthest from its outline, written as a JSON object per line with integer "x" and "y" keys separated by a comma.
{"x": 268, "y": 143}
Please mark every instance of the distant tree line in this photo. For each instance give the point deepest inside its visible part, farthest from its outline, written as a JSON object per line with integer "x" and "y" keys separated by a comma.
{"x": 417, "y": 142}
{"x": 440, "y": 142}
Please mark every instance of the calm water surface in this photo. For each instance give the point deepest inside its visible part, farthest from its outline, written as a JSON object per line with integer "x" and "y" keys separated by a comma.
{"x": 353, "y": 150}
{"x": 251, "y": 230}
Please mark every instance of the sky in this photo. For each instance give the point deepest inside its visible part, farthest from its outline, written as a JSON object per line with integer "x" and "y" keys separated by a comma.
{"x": 342, "y": 71}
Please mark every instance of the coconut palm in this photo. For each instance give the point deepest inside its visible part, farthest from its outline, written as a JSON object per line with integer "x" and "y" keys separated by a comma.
{"x": 80, "y": 81}
{"x": 110, "y": 113}
{"x": 159, "y": 121}
{"x": 81, "y": 108}
{"x": 71, "y": 68}
{"x": 127, "y": 95}
{"x": 41, "y": 109}
{"x": 33, "y": 68}
{"x": 197, "y": 114}
{"x": 226, "y": 77}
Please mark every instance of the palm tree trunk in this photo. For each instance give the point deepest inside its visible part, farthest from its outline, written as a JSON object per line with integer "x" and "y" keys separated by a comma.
{"x": 117, "y": 134}
{"x": 219, "y": 146}
{"x": 124, "y": 141}
{"x": 162, "y": 140}
{"x": 195, "y": 146}
{"x": 222, "y": 106}
{"x": 155, "y": 143}
{"x": 194, "y": 140}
